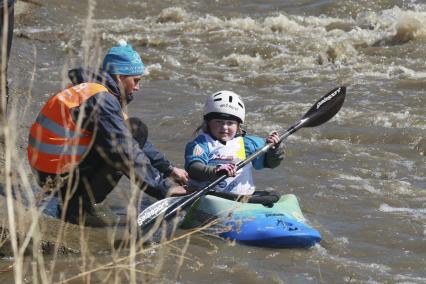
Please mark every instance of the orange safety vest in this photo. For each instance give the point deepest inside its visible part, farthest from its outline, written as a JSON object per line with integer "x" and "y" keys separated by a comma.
{"x": 56, "y": 143}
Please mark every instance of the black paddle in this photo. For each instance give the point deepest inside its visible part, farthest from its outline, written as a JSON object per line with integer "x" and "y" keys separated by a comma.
{"x": 324, "y": 109}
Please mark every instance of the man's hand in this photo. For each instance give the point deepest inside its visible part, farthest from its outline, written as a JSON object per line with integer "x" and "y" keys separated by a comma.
{"x": 177, "y": 191}
{"x": 180, "y": 176}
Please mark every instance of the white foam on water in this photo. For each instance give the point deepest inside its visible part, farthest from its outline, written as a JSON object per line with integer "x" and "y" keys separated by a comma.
{"x": 285, "y": 33}
{"x": 242, "y": 60}
{"x": 395, "y": 19}
{"x": 152, "y": 67}
{"x": 402, "y": 72}
{"x": 342, "y": 240}
{"x": 386, "y": 119}
{"x": 286, "y": 108}
{"x": 397, "y": 161}
{"x": 322, "y": 20}
{"x": 420, "y": 7}
{"x": 405, "y": 279}
{"x": 121, "y": 25}
{"x": 232, "y": 77}
{"x": 386, "y": 22}
{"x": 379, "y": 269}
{"x": 411, "y": 24}
{"x": 245, "y": 24}
{"x": 284, "y": 24}
{"x": 372, "y": 267}
{"x": 368, "y": 187}
{"x": 417, "y": 213}
{"x": 222, "y": 266}
{"x": 359, "y": 183}
{"x": 400, "y": 187}
{"x": 173, "y": 14}
{"x": 339, "y": 186}
{"x": 379, "y": 173}
{"x": 171, "y": 60}
{"x": 403, "y": 119}
{"x": 350, "y": 177}
{"x": 390, "y": 71}
{"x": 371, "y": 73}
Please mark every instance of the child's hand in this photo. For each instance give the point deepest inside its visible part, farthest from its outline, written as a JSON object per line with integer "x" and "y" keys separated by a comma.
{"x": 273, "y": 138}
{"x": 226, "y": 169}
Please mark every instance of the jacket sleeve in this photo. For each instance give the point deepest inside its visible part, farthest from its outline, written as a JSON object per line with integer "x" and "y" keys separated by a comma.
{"x": 252, "y": 144}
{"x": 157, "y": 159}
{"x": 201, "y": 172}
{"x": 114, "y": 140}
{"x": 274, "y": 157}
{"x": 271, "y": 159}
{"x": 196, "y": 151}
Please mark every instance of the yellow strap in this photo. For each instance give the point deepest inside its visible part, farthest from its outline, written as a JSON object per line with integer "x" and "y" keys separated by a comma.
{"x": 241, "y": 154}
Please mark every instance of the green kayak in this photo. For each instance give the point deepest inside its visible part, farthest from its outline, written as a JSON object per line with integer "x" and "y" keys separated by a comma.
{"x": 280, "y": 224}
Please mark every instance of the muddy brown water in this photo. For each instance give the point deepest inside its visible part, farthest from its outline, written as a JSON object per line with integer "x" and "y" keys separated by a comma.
{"x": 360, "y": 179}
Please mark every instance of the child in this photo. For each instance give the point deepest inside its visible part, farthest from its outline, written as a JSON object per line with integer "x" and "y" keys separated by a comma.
{"x": 222, "y": 144}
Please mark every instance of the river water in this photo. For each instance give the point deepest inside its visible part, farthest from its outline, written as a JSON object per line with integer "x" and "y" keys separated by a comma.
{"x": 360, "y": 178}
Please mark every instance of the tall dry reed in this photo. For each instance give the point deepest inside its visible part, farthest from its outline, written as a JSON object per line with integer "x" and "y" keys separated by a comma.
{"x": 31, "y": 234}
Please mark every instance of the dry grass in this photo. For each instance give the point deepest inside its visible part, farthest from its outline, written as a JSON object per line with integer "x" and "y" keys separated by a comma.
{"x": 38, "y": 244}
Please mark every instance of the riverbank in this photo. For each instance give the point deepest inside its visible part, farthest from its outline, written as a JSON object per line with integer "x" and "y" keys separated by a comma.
{"x": 52, "y": 236}
{"x": 34, "y": 51}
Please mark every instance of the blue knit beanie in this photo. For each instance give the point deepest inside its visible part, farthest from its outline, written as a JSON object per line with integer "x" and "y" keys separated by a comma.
{"x": 122, "y": 59}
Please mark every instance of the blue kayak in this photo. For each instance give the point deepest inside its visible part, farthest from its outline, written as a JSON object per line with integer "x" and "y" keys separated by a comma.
{"x": 278, "y": 225}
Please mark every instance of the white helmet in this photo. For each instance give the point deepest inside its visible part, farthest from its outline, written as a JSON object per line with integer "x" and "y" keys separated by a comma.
{"x": 225, "y": 105}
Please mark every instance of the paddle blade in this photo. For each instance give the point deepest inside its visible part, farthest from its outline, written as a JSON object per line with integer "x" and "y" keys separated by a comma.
{"x": 325, "y": 108}
{"x": 160, "y": 208}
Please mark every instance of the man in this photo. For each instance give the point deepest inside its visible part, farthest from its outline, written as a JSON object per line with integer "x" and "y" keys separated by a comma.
{"x": 82, "y": 141}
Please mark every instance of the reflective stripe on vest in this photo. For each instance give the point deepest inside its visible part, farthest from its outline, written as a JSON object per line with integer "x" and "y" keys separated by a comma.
{"x": 55, "y": 127}
{"x": 56, "y": 149}
{"x": 56, "y": 143}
